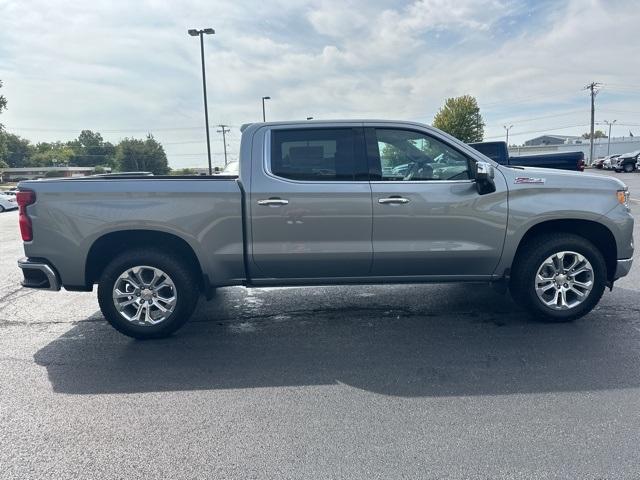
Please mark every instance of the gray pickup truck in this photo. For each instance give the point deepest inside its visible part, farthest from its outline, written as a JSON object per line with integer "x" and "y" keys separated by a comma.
{"x": 325, "y": 203}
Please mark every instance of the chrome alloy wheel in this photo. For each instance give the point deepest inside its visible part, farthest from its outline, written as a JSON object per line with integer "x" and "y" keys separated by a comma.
{"x": 144, "y": 295}
{"x": 564, "y": 280}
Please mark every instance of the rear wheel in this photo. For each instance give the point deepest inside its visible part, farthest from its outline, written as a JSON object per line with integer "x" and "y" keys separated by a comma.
{"x": 558, "y": 277}
{"x": 147, "y": 293}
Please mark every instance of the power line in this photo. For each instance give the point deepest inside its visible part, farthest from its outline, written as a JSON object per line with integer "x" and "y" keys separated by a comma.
{"x": 555, "y": 115}
{"x": 543, "y": 130}
{"x": 527, "y": 99}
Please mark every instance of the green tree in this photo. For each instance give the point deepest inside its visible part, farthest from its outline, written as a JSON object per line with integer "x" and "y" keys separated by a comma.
{"x": 56, "y": 154}
{"x": 134, "y": 155}
{"x": 3, "y": 105}
{"x": 460, "y": 117}
{"x": 596, "y": 134}
{"x": 3, "y": 164}
{"x": 3, "y": 144}
{"x": 91, "y": 150}
{"x": 18, "y": 150}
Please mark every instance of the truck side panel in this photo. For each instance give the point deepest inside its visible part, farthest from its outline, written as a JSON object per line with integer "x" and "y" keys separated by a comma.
{"x": 70, "y": 215}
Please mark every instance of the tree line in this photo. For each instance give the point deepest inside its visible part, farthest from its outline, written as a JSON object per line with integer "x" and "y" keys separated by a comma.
{"x": 88, "y": 150}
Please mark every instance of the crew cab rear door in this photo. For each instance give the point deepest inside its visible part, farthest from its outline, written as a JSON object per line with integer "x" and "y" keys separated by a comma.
{"x": 428, "y": 218}
{"x": 310, "y": 203}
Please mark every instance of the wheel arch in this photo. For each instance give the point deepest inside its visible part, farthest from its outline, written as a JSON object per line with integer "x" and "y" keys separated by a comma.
{"x": 105, "y": 247}
{"x": 595, "y": 232}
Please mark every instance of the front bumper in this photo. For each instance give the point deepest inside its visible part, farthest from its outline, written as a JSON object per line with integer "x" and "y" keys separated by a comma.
{"x": 623, "y": 268}
{"x": 38, "y": 274}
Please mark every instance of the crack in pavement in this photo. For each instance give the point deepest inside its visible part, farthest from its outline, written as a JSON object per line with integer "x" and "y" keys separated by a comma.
{"x": 11, "y": 292}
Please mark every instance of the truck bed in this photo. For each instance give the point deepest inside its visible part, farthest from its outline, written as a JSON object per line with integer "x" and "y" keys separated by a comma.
{"x": 70, "y": 215}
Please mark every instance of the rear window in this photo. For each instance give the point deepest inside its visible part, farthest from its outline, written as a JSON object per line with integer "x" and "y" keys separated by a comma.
{"x": 317, "y": 154}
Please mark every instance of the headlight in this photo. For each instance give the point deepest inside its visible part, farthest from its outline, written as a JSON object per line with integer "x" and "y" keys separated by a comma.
{"x": 623, "y": 197}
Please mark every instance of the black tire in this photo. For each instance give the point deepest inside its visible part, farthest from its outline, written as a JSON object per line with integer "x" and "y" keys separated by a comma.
{"x": 1, "y": 209}
{"x": 529, "y": 260}
{"x": 179, "y": 271}
{"x": 628, "y": 168}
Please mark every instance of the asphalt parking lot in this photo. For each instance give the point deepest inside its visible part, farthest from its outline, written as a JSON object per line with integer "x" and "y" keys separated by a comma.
{"x": 417, "y": 381}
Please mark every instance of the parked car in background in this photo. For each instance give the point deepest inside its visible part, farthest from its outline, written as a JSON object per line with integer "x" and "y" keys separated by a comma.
{"x": 312, "y": 205}
{"x": 499, "y": 152}
{"x": 627, "y": 162}
{"x": 609, "y": 162}
{"x": 7, "y": 202}
{"x": 605, "y": 162}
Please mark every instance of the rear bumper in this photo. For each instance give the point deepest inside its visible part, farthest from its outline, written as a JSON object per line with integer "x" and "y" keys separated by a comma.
{"x": 38, "y": 274}
{"x": 623, "y": 268}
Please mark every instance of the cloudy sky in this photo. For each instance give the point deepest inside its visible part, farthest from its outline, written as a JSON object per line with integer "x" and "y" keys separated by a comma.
{"x": 128, "y": 67}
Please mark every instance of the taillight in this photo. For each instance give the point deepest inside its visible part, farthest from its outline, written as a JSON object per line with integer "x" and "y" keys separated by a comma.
{"x": 25, "y": 198}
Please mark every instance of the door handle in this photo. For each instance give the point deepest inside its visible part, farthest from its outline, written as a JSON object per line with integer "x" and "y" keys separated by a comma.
{"x": 276, "y": 202}
{"x": 393, "y": 200}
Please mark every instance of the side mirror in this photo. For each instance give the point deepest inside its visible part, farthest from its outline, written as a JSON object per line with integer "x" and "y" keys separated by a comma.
{"x": 484, "y": 178}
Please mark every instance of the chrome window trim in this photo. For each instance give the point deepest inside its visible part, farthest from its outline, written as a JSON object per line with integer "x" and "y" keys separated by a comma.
{"x": 405, "y": 182}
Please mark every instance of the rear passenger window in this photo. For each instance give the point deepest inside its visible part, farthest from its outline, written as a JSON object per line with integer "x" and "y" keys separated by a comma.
{"x": 318, "y": 154}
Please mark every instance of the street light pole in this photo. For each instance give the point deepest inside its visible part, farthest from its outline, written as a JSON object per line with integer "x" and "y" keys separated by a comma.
{"x": 264, "y": 117}
{"x": 201, "y": 33}
{"x": 609, "y": 137}
{"x": 507, "y": 129}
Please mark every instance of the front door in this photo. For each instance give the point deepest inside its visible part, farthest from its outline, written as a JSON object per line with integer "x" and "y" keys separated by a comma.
{"x": 428, "y": 217}
{"x": 311, "y": 204}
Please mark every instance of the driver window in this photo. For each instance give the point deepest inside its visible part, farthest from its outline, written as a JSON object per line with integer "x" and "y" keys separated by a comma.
{"x": 407, "y": 155}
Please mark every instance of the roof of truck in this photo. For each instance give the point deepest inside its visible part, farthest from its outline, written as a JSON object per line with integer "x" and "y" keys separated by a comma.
{"x": 244, "y": 126}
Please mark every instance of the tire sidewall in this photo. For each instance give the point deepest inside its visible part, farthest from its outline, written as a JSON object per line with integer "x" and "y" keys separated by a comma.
{"x": 186, "y": 290}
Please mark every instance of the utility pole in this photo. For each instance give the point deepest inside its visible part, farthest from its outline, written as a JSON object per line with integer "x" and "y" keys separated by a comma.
{"x": 224, "y": 130}
{"x": 507, "y": 129}
{"x": 195, "y": 33}
{"x": 593, "y": 86}
{"x": 609, "y": 137}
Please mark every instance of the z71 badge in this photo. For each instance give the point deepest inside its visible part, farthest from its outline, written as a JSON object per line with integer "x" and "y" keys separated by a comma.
{"x": 520, "y": 180}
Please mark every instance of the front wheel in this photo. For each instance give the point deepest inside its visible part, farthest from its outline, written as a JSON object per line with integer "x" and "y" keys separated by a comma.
{"x": 559, "y": 277}
{"x": 628, "y": 168}
{"x": 147, "y": 293}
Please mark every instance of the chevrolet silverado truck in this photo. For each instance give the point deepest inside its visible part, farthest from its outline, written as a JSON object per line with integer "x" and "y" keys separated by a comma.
{"x": 499, "y": 152}
{"x": 325, "y": 203}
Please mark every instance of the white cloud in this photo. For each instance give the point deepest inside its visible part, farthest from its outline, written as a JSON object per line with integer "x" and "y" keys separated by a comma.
{"x": 127, "y": 65}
